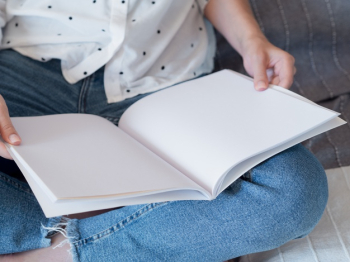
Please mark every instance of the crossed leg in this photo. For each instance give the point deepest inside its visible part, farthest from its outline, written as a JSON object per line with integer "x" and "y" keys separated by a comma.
{"x": 281, "y": 199}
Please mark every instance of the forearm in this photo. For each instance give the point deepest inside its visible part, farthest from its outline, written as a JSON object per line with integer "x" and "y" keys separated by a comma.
{"x": 235, "y": 21}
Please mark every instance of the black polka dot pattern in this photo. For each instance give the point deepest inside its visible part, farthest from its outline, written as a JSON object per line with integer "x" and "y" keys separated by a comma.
{"x": 145, "y": 54}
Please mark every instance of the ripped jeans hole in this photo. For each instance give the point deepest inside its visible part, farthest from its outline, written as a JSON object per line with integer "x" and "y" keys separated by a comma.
{"x": 58, "y": 228}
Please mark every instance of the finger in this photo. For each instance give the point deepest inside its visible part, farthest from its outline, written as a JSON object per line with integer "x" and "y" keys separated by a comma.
{"x": 3, "y": 152}
{"x": 287, "y": 72}
{"x": 275, "y": 80}
{"x": 260, "y": 76}
{"x": 270, "y": 74}
{"x": 7, "y": 131}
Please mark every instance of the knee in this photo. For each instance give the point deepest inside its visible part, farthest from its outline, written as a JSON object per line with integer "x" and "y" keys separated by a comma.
{"x": 301, "y": 186}
{"x": 306, "y": 190}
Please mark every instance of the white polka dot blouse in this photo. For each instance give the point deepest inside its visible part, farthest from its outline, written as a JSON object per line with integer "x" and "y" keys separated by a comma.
{"x": 144, "y": 45}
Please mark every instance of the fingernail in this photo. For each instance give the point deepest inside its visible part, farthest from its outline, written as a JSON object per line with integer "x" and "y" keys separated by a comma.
{"x": 14, "y": 138}
{"x": 261, "y": 85}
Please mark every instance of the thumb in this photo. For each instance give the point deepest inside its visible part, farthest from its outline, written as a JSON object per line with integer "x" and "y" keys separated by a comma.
{"x": 261, "y": 81}
{"x": 7, "y": 131}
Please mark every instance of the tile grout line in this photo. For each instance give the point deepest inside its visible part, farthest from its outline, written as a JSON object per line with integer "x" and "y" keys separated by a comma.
{"x": 338, "y": 233}
{"x": 312, "y": 248}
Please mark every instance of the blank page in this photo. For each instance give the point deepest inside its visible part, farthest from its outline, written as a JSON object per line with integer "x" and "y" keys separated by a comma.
{"x": 206, "y": 126}
{"x": 77, "y": 155}
{"x": 73, "y": 206}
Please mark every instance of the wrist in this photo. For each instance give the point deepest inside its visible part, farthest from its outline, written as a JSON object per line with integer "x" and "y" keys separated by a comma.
{"x": 251, "y": 41}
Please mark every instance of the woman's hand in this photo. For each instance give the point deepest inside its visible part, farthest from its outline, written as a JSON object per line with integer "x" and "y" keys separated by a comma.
{"x": 259, "y": 55}
{"x": 7, "y": 131}
{"x": 236, "y": 22}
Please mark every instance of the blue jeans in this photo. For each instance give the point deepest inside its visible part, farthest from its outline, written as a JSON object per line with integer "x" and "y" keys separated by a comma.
{"x": 281, "y": 199}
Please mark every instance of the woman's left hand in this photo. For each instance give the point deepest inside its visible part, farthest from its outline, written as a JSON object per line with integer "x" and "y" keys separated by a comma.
{"x": 260, "y": 56}
{"x": 236, "y": 22}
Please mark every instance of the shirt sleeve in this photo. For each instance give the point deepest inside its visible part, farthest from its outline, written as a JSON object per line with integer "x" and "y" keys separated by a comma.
{"x": 2, "y": 16}
{"x": 202, "y": 4}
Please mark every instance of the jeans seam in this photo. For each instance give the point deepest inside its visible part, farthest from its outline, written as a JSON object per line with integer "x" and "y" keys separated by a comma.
{"x": 83, "y": 91}
{"x": 121, "y": 224}
{"x": 16, "y": 185}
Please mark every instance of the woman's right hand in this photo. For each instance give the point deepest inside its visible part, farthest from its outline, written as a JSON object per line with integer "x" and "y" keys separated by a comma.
{"x": 7, "y": 131}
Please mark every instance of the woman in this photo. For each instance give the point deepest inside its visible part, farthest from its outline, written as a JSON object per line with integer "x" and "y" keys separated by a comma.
{"x": 111, "y": 55}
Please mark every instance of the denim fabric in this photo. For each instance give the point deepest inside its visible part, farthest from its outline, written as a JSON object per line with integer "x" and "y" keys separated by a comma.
{"x": 280, "y": 199}
{"x": 316, "y": 33}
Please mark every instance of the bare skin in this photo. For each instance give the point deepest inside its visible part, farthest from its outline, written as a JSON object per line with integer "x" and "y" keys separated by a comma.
{"x": 52, "y": 254}
{"x": 258, "y": 54}
{"x": 235, "y": 21}
{"x": 59, "y": 254}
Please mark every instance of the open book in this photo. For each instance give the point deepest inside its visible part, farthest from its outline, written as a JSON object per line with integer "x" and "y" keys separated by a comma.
{"x": 187, "y": 142}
